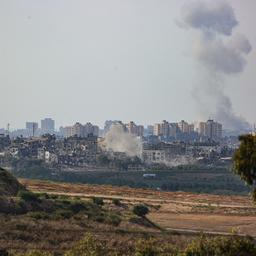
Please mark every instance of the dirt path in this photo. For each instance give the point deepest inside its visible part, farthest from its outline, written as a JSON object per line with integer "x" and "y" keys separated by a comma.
{"x": 244, "y": 225}
{"x": 179, "y": 211}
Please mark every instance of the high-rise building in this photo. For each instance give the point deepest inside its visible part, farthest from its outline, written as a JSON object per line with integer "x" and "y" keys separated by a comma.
{"x": 137, "y": 130}
{"x": 173, "y": 130}
{"x": 184, "y": 126}
{"x": 210, "y": 129}
{"x": 32, "y": 128}
{"x": 80, "y": 130}
{"x": 140, "y": 130}
{"x": 162, "y": 129}
{"x": 165, "y": 128}
{"x": 202, "y": 128}
{"x": 150, "y": 130}
{"x": 47, "y": 125}
{"x": 157, "y": 130}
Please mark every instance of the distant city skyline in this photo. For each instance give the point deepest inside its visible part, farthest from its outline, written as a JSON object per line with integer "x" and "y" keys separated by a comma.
{"x": 98, "y": 60}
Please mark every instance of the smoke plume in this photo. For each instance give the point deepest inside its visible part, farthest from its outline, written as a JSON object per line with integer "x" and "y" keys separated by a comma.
{"x": 118, "y": 140}
{"x": 220, "y": 52}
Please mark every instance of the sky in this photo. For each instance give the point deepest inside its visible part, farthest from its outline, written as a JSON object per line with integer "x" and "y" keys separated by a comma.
{"x": 97, "y": 60}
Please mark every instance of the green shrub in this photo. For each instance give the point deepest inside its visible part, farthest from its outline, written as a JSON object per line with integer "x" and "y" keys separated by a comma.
{"x": 43, "y": 195}
{"x": 62, "y": 214}
{"x": 116, "y": 201}
{"x": 88, "y": 246}
{"x": 113, "y": 219}
{"x": 98, "y": 200}
{"x": 28, "y": 196}
{"x": 77, "y": 206}
{"x": 39, "y": 215}
{"x": 148, "y": 247}
{"x": 221, "y": 246}
{"x": 140, "y": 210}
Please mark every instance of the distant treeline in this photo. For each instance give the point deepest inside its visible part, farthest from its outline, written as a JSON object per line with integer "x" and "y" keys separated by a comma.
{"x": 215, "y": 180}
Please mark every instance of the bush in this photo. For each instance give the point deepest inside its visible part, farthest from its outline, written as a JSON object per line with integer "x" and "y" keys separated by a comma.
{"x": 63, "y": 214}
{"x": 39, "y": 215}
{"x": 77, "y": 206}
{"x": 88, "y": 246}
{"x": 140, "y": 210}
{"x": 98, "y": 200}
{"x": 152, "y": 247}
{"x": 113, "y": 219}
{"x": 221, "y": 246}
{"x": 28, "y": 196}
{"x": 116, "y": 202}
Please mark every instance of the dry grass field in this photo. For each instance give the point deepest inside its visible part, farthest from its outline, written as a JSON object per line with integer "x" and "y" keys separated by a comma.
{"x": 176, "y": 211}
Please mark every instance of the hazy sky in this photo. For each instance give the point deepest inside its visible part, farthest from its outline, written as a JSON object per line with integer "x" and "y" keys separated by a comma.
{"x": 107, "y": 59}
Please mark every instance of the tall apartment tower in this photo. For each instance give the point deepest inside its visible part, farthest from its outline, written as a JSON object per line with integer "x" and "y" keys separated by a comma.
{"x": 31, "y": 128}
{"x": 47, "y": 125}
{"x": 210, "y": 129}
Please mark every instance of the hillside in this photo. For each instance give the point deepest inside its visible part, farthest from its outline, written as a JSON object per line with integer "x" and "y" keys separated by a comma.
{"x": 9, "y": 185}
{"x": 54, "y": 217}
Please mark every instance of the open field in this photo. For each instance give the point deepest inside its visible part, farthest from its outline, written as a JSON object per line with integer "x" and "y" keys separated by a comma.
{"x": 179, "y": 211}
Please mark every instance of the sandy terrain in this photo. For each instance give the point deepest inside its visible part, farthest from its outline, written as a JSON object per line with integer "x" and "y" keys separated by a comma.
{"x": 177, "y": 210}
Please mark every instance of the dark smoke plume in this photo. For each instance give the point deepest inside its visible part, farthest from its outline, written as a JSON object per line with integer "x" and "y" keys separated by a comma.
{"x": 219, "y": 51}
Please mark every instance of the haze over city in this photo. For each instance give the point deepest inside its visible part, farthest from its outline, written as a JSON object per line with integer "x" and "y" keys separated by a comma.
{"x": 98, "y": 60}
{"x": 127, "y": 127}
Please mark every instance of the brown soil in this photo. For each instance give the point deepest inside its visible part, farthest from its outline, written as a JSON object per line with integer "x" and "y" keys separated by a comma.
{"x": 176, "y": 210}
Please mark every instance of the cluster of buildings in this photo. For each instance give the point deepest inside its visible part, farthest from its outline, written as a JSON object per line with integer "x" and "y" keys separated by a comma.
{"x": 72, "y": 151}
{"x": 82, "y": 144}
{"x": 32, "y": 129}
{"x": 163, "y": 131}
{"x": 183, "y": 130}
{"x": 79, "y": 130}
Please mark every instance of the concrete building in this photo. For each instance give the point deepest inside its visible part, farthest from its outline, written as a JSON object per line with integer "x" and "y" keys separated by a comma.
{"x": 150, "y": 130}
{"x": 32, "y": 128}
{"x": 173, "y": 130}
{"x": 183, "y": 126}
{"x": 211, "y": 130}
{"x": 162, "y": 129}
{"x": 157, "y": 130}
{"x": 137, "y": 130}
{"x": 80, "y": 130}
{"x": 202, "y": 128}
{"x": 153, "y": 156}
{"x": 47, "y": 126}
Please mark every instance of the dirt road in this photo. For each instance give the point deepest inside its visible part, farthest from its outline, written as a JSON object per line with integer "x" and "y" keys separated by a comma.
{"x": 184, "y": 212}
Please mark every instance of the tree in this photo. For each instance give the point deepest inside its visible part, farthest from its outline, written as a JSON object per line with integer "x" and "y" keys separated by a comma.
{"x": 245, "y": 160}
{"x": 140, "y": 210}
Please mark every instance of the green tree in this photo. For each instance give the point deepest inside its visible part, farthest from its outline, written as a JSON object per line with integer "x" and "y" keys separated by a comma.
{"x": 245, "y": 160}
{"x": 140, "y": 210}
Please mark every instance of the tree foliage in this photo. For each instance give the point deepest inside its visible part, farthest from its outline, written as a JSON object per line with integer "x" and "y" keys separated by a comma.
{"x": 140, "y": 210}
{"x": 221, "y": 246}
{"x": 88, "y": 246}
{"x": 245, "y": 159}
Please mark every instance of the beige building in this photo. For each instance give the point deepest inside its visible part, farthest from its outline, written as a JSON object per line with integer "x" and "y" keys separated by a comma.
{"x": 80, "y": 130}
{"x": 137, "y": 130}
{"x": 210, "y": 129}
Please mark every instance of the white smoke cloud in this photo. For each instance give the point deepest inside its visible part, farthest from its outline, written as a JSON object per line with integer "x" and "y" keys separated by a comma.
{"x": 219, "y": 51}
{"x": 118, "y": 140}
